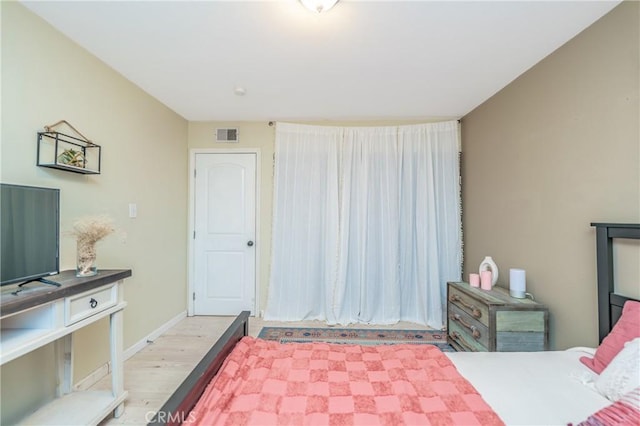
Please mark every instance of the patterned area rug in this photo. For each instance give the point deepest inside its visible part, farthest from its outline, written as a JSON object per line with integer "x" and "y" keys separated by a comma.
{"x": 357, "y": 336}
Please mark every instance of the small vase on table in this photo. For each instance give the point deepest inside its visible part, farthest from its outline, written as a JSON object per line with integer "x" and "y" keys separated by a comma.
{"x": 88, "y": 231}
{"x": 488, "y": 264}
{"x": 86, "y": 260}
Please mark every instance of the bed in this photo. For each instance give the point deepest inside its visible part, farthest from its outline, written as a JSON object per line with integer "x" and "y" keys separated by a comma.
{"x": 511, "y": 384}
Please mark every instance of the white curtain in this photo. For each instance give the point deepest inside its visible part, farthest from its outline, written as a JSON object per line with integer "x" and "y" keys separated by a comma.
{"x": 366, "y": 223}
{"x": 367, "y": 286}
{"x": 305, "y": 222}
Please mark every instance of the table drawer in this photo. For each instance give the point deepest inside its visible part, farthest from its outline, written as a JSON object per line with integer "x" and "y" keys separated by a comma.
{"x": 471, "y": 329}
{"x": 469, "y": 305}
{"x": 462, "y": 341}
{"x": 84, "y": 305}
{"x": 521, "y": 331}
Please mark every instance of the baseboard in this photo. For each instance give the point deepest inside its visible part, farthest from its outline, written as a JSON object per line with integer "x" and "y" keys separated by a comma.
{"x": 92, "y": 378}
{"x": 153, "y": 335}
{"x": 103, "y": 370}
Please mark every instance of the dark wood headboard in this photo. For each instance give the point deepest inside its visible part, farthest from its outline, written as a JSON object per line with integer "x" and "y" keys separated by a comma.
{"x": 609, "y": 303}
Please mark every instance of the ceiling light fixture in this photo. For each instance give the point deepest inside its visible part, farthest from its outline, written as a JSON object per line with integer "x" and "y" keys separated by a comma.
{"x": 319, "y": 6}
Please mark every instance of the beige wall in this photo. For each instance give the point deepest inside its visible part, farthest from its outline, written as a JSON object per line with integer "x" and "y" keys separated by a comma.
{"x": 552, "y": 152}
{"x": 46, "y": 78}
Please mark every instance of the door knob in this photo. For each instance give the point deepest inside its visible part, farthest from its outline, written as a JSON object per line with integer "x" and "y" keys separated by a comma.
{"x": 250, "y": 243}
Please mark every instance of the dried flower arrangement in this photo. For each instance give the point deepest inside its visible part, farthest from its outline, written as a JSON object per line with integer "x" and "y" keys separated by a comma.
{"x": 88, "y": 231}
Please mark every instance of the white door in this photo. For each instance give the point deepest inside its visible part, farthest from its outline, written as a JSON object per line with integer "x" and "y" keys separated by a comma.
{"x": 225, "y": 224}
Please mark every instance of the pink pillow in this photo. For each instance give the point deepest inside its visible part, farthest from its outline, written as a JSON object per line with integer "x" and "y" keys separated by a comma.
{"x": 625, "y": 411}
{"x": 627, "y": 328}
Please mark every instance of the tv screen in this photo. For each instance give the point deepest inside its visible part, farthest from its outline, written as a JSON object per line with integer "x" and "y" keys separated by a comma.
{"x": 29, "y": 232}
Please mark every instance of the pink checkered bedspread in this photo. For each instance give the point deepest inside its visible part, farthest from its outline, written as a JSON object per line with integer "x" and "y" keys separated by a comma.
{"x": 264, "y": 382}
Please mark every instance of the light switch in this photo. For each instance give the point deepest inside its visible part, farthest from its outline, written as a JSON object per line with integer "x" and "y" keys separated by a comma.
{"x": 133, "y": 210}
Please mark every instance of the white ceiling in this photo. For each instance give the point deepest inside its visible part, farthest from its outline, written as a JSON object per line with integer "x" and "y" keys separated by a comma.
{"x": 363, "y": 60}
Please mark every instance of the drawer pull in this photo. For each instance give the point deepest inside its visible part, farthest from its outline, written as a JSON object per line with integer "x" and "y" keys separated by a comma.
{"x": 93, "y": 303}
{"x": 456, "y": 336}
{"x": 477, "y": 313}
{"x": 474, "y": 330}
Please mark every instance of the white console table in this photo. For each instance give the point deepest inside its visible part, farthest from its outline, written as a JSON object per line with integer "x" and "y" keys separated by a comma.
{"x": 37, "y": 316}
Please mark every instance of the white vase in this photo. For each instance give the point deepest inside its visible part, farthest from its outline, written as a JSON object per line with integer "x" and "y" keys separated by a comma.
{"x": 489, "y": 265}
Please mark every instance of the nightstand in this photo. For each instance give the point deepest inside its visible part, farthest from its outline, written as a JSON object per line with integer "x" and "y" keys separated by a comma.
{"x": 491, "y": 320}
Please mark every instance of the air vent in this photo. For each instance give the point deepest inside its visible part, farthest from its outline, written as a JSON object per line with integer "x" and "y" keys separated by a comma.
{"x": 227, "y": 135}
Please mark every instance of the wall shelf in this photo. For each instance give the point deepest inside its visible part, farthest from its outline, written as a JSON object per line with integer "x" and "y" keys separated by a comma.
{"x": 64, "y": 152}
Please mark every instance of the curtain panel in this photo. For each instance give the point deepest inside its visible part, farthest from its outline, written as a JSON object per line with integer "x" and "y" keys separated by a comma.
{"x": 367, "y": 225}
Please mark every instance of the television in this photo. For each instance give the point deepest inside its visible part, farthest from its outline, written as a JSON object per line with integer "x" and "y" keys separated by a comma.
{"x": 29, "y": 233}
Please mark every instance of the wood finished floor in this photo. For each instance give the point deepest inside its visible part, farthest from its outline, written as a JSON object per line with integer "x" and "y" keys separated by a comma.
{"x": 153, "y": 374}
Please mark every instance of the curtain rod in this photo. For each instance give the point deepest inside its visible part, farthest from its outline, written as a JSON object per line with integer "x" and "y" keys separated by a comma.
{"x": 272, "y": 123}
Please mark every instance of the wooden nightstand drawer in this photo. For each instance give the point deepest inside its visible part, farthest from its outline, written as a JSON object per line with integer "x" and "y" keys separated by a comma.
{"x": 462, "y": 342}
{"x": 469, "y": 305}
{"x": 473, "y": 332}
{"x": 520, "y": 330}
{"x": 479, "y": 320}
{"x": 83, "y": 305}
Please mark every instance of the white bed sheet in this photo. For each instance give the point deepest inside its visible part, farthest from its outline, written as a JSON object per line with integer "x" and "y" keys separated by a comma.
{"x": 532, "y": 388}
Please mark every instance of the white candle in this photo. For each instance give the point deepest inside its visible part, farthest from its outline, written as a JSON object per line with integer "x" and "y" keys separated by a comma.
{"x": 517, "y": 283}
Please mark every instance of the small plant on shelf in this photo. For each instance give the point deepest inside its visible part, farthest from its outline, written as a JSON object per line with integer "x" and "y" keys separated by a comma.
{"x": 71, "y": 157}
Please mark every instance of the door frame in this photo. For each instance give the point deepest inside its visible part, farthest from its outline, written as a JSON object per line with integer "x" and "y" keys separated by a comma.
{"x": 191, "y": 214}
